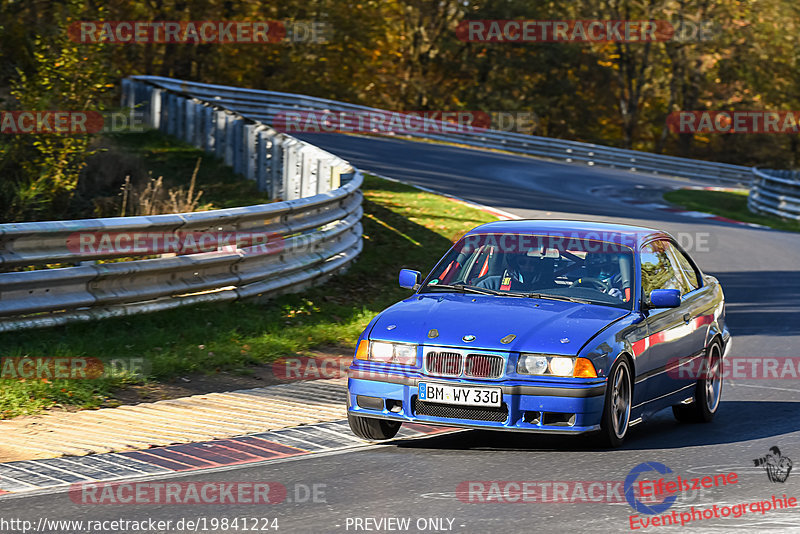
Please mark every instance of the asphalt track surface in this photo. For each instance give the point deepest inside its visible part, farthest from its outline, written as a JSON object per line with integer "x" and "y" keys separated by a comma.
{"x": 417, "y": 479}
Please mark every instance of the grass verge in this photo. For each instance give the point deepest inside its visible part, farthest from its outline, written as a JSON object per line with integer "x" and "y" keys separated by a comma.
{"x": 173, "y": 159}
{"x": 730, "y": 204}
{"x": 403, "y": 227}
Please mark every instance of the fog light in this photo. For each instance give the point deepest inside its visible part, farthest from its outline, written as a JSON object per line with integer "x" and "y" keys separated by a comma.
{"x": 558, "y": 419}
{"x": 369, "y": 403}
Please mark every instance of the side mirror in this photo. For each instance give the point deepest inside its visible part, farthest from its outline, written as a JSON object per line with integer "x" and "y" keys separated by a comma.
{"x": 665, "y": 298}
{"x": 409, "y": 279}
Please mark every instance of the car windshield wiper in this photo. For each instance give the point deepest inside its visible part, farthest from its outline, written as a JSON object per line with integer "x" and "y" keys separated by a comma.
{"x": 546, "y": 296}
{"x": 463, "y": 288}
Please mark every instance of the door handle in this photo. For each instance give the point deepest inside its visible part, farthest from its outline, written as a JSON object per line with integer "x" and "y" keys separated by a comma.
{"x": 687, "y": 317}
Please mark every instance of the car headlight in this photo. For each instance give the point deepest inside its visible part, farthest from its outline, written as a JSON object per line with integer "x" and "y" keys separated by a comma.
{"x": 532, "y": 364}
{"x": 381, "y": 352}
{"x": 398, "y": 353}
{"x": 562, "y": 366}
{"x": 540, "y": 364}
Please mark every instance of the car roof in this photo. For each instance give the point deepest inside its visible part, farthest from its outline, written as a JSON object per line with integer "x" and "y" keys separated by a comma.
{"x": 622, "y": 234}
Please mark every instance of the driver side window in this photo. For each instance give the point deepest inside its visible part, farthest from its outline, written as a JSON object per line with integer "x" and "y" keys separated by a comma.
{"x": 658, "y": 269}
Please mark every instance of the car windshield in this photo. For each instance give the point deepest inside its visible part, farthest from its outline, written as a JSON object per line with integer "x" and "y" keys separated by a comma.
{"x": 541, "y": 266}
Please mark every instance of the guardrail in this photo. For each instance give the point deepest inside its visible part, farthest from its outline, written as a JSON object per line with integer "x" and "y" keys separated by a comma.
{"x": 264, "y": 106}
{"x": 281, "y": 165}
{"x": 775, "y": 192}
{"x": 302, "y": 241}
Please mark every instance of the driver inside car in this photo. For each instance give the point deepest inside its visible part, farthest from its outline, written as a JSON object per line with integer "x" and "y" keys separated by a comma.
{"x": 605, "y": 269}
{"x": 522, "y": 274}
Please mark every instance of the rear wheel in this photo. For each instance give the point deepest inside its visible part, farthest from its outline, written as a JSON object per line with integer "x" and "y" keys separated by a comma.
{"x": 617, "y": 410}
{"x": 708, "y": 391}
{"x": 372, "y": 429}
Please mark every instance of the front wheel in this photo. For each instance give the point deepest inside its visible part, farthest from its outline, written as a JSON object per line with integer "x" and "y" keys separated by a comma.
{"x": 617, "y": 409}
{"x": 708, "y": 391}
{"x": 372, "y": 429}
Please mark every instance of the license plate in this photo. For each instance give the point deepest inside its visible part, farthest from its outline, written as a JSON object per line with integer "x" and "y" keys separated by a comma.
{"x": 465, "y": 396}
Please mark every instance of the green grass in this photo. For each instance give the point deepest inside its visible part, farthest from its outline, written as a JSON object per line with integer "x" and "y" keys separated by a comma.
{"x": 403, "y": 227}
{"x": 730, "y": 204}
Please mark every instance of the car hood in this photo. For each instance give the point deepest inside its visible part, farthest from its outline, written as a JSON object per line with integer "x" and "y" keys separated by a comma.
{"x": 545, "y": 326}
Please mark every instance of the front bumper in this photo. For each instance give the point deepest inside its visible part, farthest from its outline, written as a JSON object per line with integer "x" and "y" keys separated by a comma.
{"x": 531, "y": 406}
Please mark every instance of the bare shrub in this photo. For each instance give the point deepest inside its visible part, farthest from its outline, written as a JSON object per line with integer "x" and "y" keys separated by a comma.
{"x": 154, "y": 199}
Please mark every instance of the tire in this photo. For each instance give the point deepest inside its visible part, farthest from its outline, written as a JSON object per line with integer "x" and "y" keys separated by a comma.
{"x": 617, "y": 407}
{"x": 708, "y": 391}
{"x": 372, "y": 429}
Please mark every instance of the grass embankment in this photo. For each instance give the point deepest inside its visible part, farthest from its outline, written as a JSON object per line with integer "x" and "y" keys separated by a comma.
{"x": 166, "y": 156}
{"x": 730, "y": 204}
{"x": 403, "y": 227}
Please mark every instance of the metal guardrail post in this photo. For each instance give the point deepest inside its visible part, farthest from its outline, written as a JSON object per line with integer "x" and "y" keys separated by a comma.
{"x": 261, "y": 160}
{"x": 163, "y": 121}
{"x": 308, "y": 186}
{"x": 220, "y": 132}
{"x": 291, "y": 171}
{"x": 323, "y": 175}
{"x": 239, "y": 148}
{"x": 172, "y": 114}
{"x": 193, "y": 123}
{"x": 230, "y": 139}
{"x": 153, "y": 116}
{"x": 180, "y": 118}
{"x": 276, "y": 168}
{"x": 207, "y": 129}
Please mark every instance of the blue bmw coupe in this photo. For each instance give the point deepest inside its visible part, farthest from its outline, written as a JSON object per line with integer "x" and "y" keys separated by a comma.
{"x": 545, "y": 326}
